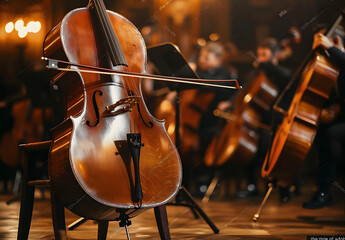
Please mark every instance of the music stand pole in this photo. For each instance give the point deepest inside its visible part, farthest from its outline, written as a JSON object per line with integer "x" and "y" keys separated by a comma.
{"x": 177, "y": 121}
{"x": 187, "y": 195}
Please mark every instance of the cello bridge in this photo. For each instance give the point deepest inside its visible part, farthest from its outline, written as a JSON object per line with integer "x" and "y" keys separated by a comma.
{"x": 129, "y": 103}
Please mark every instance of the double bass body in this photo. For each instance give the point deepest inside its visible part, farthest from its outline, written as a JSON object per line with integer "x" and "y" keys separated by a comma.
{"x": 295, "y": 135}
{"x": 91, "y": 165}
{"x": 239, "y": 139}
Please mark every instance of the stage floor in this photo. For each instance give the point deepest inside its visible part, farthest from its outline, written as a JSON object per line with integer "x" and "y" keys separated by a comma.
{"x": 233, "y": 217}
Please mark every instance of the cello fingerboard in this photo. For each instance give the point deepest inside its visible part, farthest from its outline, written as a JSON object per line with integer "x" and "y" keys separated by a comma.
{"x": 108, "y": 34}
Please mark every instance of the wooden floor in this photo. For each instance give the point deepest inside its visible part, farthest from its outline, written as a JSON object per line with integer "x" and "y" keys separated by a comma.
{"x": 233, "y": 217}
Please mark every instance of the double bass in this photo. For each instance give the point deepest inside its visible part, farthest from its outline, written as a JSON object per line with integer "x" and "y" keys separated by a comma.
{"x": 238, "y": 140}
{"x": 109, "y": 156}
{"x": 295, "y": 135}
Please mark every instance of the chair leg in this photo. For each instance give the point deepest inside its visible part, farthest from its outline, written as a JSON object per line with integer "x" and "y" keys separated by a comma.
{"x": 102, "y": 230}
{"x": 58, "y": 217}
{"x": 25, "y": 216}
{"x": 162, "y": 222}
{"x": 27, "y": 201}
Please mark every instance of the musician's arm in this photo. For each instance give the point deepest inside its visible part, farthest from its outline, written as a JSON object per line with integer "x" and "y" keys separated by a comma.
{"x": 279, "y": 75}
{"x": 337, "y": 55}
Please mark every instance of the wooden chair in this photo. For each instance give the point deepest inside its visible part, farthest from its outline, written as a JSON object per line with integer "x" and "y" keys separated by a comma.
{"x": 30, "y": 181}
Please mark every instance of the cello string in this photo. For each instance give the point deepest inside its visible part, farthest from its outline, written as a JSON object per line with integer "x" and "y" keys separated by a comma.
{"x": 104, "y": 23}
{"x": 110, "y": 37}
{"x": 133, "y": 128}
{"x": 136, "y": 94}
{"x": 115, "y": 50}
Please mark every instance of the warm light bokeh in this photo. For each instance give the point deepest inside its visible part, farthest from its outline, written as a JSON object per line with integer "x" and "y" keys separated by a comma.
{"x": 214, "y": 36}
{"x": 19, "y": 24}
{"x": 9, "y": 27}
{"x": 34, "y": 26}
{"x": 23, "y": 31}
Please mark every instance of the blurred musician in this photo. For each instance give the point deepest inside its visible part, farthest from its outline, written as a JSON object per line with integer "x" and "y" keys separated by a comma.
{"x": 331, "y": 133}
{"x": 210, "y": 66}
{"x": 267, "y": 60}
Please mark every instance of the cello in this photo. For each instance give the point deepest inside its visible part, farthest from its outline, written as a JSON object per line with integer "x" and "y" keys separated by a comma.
{"x": 295, "y": 135}
{"x": 107, "y": 132}
{"x": 239, "y": 138}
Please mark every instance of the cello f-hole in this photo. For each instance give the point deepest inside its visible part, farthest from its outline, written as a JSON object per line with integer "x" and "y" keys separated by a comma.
{"x": 150, "y": 124}
{"x": 95, "y": 107}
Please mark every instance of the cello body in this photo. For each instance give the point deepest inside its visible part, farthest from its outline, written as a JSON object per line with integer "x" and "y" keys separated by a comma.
{"x": 295, "y": 135}
{"x": 91, "y": 166}
{"x": 238, "y": 140}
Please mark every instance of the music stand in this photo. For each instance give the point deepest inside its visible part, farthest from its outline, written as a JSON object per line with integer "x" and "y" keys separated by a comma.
{"x": 169, "y": 61}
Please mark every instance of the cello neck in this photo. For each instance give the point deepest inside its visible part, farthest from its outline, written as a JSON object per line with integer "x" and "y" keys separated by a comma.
{"x": 108, "y": 34}
{"x": 331, "y": 30}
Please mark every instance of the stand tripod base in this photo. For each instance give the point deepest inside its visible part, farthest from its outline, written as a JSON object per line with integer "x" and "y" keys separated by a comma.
{"x": 211, "y": 188}
{"x": 76, "y": 223}
{"x": 125, "y": 222}
{"x": 127, "y": 233}
{"x": 194, "y": 206}
{"x": 257, "y": 214}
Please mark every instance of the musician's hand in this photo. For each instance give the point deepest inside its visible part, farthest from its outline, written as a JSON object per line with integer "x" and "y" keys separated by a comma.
{"x": 222, "y": 106}
{"x": 322, "y": 40}
{"x": 285, "y": 53}
{"x": 329, "y": 114}
{"x": 256, "y": 64}
{"x": 193, "y": 66}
